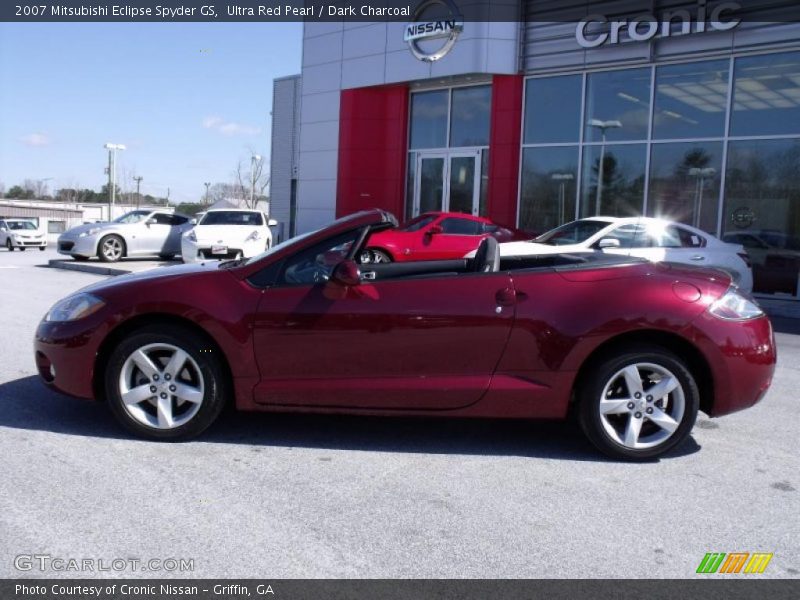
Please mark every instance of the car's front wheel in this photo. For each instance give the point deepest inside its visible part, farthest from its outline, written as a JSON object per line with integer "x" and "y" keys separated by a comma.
{"x": 639, "y": 403}
{"x": 165, "y": 383}
{"x": 111, "y": 248}
{"x": 374, "y": 256}
{"x": 9, "y": 245}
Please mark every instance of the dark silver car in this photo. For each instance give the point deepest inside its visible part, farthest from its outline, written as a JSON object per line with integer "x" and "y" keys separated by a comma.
{"x": 137, "y": 233}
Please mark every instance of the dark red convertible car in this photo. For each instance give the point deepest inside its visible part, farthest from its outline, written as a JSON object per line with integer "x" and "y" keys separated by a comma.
{"x": 634, "y": 348}
{"x": 436, "y": 236}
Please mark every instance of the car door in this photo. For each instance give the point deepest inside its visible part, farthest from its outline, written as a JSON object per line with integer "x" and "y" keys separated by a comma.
{"x": 178, "y": 224}
{"x": 427, "y": 343}
{"x": 153, "y": 233}
{"x": 457, "y": 237}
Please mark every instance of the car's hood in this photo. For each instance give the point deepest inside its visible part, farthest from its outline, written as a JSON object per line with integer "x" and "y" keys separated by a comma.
{"x": 76, "y": 231}
{"x": 173, "y": 271}
{"x": 225, "y": 233}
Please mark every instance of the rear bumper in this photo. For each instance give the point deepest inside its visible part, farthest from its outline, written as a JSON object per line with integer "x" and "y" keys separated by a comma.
{"x": 741, "y": 356}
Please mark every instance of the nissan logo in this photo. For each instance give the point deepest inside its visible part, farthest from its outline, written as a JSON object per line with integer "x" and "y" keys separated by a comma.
{"x": 447, "y": 30}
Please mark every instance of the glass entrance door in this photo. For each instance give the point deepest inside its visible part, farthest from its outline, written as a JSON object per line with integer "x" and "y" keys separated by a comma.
{"x": 448, "y": 181}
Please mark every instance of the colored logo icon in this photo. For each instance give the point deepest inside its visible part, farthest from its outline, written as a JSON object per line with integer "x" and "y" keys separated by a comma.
{"x": 734, "y": 562}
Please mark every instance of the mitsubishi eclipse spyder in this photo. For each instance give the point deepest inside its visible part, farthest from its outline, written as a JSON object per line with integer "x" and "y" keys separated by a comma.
{"x": 632, "y": 348}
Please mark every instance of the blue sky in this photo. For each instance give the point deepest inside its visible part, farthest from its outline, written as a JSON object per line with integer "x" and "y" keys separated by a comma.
{"x": 189, "y": 100}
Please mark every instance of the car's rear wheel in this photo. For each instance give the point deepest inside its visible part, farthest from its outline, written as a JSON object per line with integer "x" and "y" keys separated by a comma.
{"x": 111, "y": 248}
{"x": 165, "y": 383}
{"x": 373, "y": 255}
{"x": 638, "y": 404}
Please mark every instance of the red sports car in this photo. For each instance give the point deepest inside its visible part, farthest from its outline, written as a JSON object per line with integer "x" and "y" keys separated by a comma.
{"x": 634, "y": 348}
{"x": 436, "y": 236}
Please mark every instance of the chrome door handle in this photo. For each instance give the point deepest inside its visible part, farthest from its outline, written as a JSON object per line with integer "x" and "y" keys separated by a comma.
{"x": 698, "y": 257}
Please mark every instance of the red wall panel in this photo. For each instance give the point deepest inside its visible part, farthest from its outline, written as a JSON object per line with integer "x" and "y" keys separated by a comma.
{"x": 504, "y": 148}
{"x": 373, "y": 125}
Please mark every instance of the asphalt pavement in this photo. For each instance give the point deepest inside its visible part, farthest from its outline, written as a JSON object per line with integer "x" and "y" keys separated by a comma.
{"x": 288, "y": 496}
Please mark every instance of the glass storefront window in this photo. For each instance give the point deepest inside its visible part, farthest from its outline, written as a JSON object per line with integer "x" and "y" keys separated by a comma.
{"x": 553, "y": 109}
{"x": 766, "y": 95}
{"x": 617, "y": 104}
{"x": 471, "y": 115}
{"x": 762, "y": 210}
{"x": 619, "y": 190}
{"x": 691, "y": 100}
{"x": 429, "y": 119}
{"x": 484, "y": 192}
{"x": 684, "y": 183}
{"x": 549, "y": 180}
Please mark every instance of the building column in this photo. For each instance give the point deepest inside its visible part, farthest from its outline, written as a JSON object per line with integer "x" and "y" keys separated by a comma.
{"x": 504, "y": 148}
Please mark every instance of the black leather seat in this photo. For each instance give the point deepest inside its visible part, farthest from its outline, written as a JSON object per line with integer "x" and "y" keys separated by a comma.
{"x": 487, "y": 257}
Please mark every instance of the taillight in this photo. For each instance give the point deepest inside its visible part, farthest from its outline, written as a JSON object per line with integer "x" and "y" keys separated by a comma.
{"x": 745, "y": 257}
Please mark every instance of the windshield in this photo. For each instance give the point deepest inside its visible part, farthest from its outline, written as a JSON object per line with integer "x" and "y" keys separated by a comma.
{"x": 232, "y": 217}
{"x": 18, "y": 225}
{"x": 281, "y": 246}
{"x": 132, "y": 217}
{"x": 571, "y": 233}
{"x": 418, "y": 223}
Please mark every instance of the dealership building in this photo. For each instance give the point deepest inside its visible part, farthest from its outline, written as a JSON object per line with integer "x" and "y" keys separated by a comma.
{"x": 691, "y": 108}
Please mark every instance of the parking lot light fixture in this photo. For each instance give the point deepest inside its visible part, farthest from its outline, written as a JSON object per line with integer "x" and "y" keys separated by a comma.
{"x": 112, "y": 175}
{"x": 602, "y": 126}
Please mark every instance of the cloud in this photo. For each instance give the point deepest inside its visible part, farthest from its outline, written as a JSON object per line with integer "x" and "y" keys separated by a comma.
{"x": 229, "y": 128}
{"x": 35, "y": 139}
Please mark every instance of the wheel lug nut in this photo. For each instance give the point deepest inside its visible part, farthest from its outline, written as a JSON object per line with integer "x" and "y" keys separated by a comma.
{"x": 631, "y": 405}
{"x": 172, "y": 388}
{"x": 638, "y": 415}
{"x": 155, "y": 377}
{"x": 649, "y": 410}
{"x": 153, "y": 389}
{"x": 163, "y": 395}
{"x": 167, "y": 376}
{"x": 637, "y": 395}
{"x": 649, "y": 398}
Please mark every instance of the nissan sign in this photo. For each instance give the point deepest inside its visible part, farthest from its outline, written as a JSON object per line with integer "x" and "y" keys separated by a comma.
{"x": 446, "y": 29}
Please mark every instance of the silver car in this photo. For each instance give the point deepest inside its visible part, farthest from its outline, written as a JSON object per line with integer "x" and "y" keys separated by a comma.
{"x": 137, "y": 233}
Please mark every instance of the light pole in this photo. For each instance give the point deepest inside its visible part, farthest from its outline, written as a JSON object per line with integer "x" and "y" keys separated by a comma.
{"x": 207, "y": 184}
{"x": 112, "y": 175}
{"x": 253, "y": 160}
{"x": 562, "y": 179}
{"x": 602, "y": 126}
{"x": 701, "y": 174}
{"x": 138, "y": 181}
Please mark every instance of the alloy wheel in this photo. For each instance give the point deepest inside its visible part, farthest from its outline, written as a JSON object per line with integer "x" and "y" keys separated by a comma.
{"x": 642, "y": 405}
{"x": 112, "y": 249}
{"x": 161, "y": 386}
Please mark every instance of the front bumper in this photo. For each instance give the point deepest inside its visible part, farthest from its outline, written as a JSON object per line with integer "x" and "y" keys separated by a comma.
{"x": 199, "y": 251}
{"x": 28, "y": 242}
{"x": 81, "y": 246}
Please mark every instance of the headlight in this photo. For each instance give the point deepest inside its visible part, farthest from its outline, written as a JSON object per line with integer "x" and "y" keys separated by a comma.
{"x": 91, "y": 231}
{"x": 74, "y": 307}
{"x": 733, "y": 306}
{"x": 252, "y": 237}
{"x": 191, "y": 236}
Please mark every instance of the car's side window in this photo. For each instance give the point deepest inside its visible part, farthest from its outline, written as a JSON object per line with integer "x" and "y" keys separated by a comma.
{"x": 316, "y": 264}
{"x": 456, "y": 226}
{"x": 689, "y": 239}
{"x": 162, "y": 219}
{"x": 178, "y": 220}
{"x": 631, "y": 236}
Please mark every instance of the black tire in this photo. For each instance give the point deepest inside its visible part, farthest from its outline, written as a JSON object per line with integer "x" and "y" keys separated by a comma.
{"x": 42, "y": 248}
{"x": 22, "y": 248}
{"x": 107, "y": 257}
{"x": 199, "y": 350}
{"x": 9, "y": 245}
{"x": 603, "y": 373}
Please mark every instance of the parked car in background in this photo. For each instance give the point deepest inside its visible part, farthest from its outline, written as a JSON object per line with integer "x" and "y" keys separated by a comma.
{"x": 775, "y": 259}
{"x": 227, "y": 233}
{"x": 22, "y": 234}
{"x": 137, "y": 233}
{"x": 634, "y": 350}
{"x": 653, "y": 239}
{"x": 436, "y": 236}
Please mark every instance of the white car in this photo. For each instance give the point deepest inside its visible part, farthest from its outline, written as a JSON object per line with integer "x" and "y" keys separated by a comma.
{"x": 227, "y": 233}
{"x": 645, "y": 237}
{"x": 22, "y": 234}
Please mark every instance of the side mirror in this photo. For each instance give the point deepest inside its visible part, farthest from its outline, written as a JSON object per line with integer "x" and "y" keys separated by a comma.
{"x": 150, "y": 221}
{"x": 608, "y": 243}
{"x": 435, "y": 230}
{"x": 346, "y": 273}
{"x": 192, "y": 221}
{"x": 272, "y": 223}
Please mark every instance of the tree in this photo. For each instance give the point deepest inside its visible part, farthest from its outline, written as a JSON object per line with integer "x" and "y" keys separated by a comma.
{"x": 245, "y": 177}
{"x": 20, "y": 193}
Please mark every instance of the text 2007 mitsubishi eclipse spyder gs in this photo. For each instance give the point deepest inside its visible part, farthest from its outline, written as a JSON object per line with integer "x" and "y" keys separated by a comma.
{"x": 634, "y": 348}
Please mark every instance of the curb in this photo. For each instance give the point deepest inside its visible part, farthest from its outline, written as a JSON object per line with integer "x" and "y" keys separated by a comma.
{"x": 71, "y": 265}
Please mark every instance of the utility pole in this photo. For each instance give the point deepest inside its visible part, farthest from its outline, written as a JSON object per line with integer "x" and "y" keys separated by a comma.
{"x": 167, "y": 203}
{"x": 207, "y": 184}
{"x": 138, "y": 181}
{"x": 112, "y": 175}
